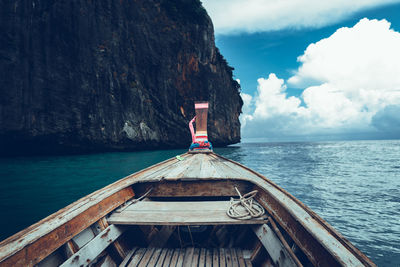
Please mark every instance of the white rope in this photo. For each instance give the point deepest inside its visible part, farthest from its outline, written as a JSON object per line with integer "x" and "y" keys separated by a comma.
{"x": 245, "y": 207}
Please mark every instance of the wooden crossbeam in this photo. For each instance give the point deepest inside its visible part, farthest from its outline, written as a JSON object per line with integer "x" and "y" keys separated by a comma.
{"x": 177, "y": 213}
{"x": 276, "y": 247}
{"x": 103, "y": 224}
{"x": 96, "y": 246}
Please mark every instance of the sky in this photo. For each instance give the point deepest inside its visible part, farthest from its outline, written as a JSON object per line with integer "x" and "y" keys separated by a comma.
{"x": 312, "y": 70}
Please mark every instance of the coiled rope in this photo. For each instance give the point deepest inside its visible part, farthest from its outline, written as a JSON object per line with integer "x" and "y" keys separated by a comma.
{"x": 245, "y": 208}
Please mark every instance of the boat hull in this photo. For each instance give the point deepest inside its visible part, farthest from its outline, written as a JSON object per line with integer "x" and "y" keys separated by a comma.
{"x": 295, "y": 229}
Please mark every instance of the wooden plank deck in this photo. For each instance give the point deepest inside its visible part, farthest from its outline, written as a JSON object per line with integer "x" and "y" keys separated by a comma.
{"x": 195, "y": 166}
{"x": 186, "y": 257}
{"x": 177, "y": 213}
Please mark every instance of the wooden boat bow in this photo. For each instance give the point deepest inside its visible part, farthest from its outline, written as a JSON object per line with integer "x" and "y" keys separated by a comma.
{"x": 203, "y": 182}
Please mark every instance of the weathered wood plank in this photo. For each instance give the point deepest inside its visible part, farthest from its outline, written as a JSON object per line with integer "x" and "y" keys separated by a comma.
{"x": 147, "y": 256}
{"x": 70, "y": 248}
{"x": 177, "y": 213}
{"x": 289, "y": 250}
{"x": 228, "y": 257}
{"x": 184, "y": 257}
{"x": 215, "y": 257}
{"x": 177, "y": 218}
{"x": 194, "y": 188}
{"x": 277, "y": 251}
{"x": 202, "y": 257}
{"x": 195, "y": 166}
{"x": 240, "y": 258}
{"x": 195, "y": 257}
{"x": 221, "y": 171}
{"x": 128, "y": 257}
{"x": 207, "y": 169}
{"x": 169, "y": 206}
{"x": 161, "y": 258}
{"x": 97, "y": 245}
{"x": 174, "y": 167}
{"x": 179, "y": 170}
{"x": 175, "y": 256}
{"x": 209, "y": 258}
{"x": 188, "y": 258}
{"x": 233, "y": 169}
{"x": 179, "y": 262}
{"x": 256, "y": 251}
{"x": 222, "y": 260}
{"x": 168, "y": 258}
{"x": 103, "y": 224}
{"x": 154, "y": 258}
{"x": 159, "y": 171}
{"x": 235, "y": 262}
{"x": 137, "y": 257}
{"x": 162, "y": 172}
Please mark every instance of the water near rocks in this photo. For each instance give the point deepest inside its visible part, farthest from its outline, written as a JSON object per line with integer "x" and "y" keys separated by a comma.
{"x": 353, "y": 185}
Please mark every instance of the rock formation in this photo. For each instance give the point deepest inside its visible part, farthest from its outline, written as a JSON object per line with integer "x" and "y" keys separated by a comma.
{"x": 87, "y": 75}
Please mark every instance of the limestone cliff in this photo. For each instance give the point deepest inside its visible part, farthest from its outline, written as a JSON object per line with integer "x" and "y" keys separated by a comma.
{"x": 86, "y": 75}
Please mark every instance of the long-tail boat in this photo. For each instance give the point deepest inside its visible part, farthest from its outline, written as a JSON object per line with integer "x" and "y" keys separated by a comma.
{"x": 196, "y": 209}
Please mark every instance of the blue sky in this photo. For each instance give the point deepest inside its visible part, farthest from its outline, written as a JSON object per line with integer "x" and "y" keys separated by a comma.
{"x": 345, "y": 84}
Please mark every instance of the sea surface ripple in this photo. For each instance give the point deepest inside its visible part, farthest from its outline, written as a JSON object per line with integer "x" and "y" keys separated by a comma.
{"x": 353, "y": 185}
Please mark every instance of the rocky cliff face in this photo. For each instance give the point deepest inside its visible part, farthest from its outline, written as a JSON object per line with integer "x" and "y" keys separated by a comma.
{"x": 86, "y": 75}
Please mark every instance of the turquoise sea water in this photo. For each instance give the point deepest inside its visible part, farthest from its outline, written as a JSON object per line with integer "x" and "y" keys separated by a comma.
{"x": 353, "y": 185}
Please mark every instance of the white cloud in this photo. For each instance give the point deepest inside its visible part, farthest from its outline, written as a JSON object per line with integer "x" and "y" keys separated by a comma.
{"x": 369, "y": 49}
{"x": 348, "y": 78}
{"x": 238, "y": 16}
{"x": 272, "y": 99}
